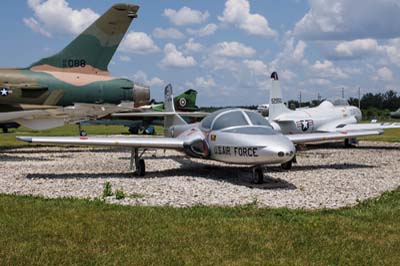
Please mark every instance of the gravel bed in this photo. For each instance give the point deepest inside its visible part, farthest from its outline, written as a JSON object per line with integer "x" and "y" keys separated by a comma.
{"x": 326, "y": 176}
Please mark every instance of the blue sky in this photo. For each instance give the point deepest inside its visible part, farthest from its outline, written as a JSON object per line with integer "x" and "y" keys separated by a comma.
{"x": 226, "y": 50}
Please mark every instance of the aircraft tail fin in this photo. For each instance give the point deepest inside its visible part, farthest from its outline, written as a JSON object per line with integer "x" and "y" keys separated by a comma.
{"x": 276, "y": 105}
{"x": 170, "y": 119}
{"x": 92, "y": 50}
{"x": 186, "y": 101}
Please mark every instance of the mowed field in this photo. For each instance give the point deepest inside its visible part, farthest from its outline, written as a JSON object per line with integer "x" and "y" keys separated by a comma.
{"x": 38, "y": 231}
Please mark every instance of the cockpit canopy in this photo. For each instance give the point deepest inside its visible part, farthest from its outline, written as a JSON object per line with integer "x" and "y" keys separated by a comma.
{"x": 237, "y": 121}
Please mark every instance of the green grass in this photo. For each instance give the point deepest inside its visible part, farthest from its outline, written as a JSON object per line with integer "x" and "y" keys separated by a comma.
{"x": 390, "y": 135}
{"x": 9, "y": 140}
{"x": 37, "y": 231}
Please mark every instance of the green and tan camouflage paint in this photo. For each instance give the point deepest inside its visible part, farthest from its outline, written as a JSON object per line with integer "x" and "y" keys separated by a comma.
{"x": 79, "y": 73}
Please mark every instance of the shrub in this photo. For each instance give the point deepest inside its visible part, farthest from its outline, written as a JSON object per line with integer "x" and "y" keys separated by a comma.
{"x": 107, "y": 191}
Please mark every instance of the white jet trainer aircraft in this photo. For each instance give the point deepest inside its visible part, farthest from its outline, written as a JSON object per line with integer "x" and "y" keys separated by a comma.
{"x": 234, "y": 136}
{"x": 324, "y": 118}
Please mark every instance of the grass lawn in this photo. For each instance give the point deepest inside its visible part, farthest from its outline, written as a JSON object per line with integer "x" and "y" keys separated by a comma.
{"x": 390, "y": 135}
{"x": 36, "y": 231}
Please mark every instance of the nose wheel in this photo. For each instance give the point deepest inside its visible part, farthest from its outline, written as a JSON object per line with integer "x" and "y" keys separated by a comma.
{"x": 288, "y": 165}
{"x": 138, "y": 161}
{"x": 258, "y": 175}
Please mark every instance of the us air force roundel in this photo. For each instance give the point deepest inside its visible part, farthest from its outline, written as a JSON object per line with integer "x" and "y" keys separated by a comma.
{"x": 182, "y": 102}
{"x": 5, "y": 92}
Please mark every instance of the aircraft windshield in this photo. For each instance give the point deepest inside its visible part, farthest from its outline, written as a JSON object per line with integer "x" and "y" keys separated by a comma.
{"x": 257, "y": 119}
{"x": 230, "y": 119}
{"x": 207, "y": 121}
{"x": 339, "y": 102}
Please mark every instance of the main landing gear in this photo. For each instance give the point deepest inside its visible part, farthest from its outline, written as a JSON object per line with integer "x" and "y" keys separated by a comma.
{"x": 258, "y": 175}
{"x": 350, "y": 143}
{"x": 82, "y": 132}
{"x": 136, "y": 159}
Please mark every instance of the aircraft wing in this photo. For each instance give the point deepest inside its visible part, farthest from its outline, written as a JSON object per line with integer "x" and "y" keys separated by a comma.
{"x": 160, "y": 114}
{"x": 313, "y": 137}
{"x": 135, "y": 142}
{"x": 35, "y": 119}
{"x": 369, "y": 126}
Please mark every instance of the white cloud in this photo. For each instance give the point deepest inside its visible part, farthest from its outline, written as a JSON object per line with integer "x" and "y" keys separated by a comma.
{"x": 326, "y": 69}
{"x": 56, "y": 16}
{"x": 186, "y": 16}
{"x": 169, "y": 33}
{"x": 383, "y": 74}
{"x": 233, "y": 49}
{"x": 356, "y": 49}
{"x": 141, "y": 77}
{"x": 257, "y": 67}
{"x": 36, "y": 27}
{"x": 124, "y": 58}
{"x": 337, "y": 20}
{"x": 298, "y": 53}
{"x": 138, "y": 43}
{"x": 237, "y": 12}
{"x": 175, "y": 58}
{"x": 207, "y": 30}
{"x": 192, "y": 46}
{"x": 205, "y": 83}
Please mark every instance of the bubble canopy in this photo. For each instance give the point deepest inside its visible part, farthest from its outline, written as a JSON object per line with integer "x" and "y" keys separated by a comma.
{"x": 234, "y": 118}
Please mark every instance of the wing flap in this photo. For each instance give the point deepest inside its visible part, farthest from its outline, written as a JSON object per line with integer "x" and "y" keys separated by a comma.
{"x": 136, "y": 142}
{"x": 304, "y": 138}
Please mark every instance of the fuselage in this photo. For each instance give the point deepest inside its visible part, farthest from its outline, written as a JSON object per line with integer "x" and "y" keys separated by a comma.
{"x": 247, "y": 139}
{"x": 310, "y": 120}
{"x": 25, "y": 86}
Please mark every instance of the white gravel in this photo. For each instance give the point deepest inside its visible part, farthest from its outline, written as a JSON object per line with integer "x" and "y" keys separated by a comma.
{"x": 330, "y": 177}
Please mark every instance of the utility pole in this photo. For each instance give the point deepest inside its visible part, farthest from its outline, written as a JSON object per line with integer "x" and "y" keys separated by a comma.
{"x": 359, "y": 98}
{"x": 300, "y": 99}
{"x": 342, "y": 93}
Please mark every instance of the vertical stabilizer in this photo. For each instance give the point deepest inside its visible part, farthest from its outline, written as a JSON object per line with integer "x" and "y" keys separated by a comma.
{"x": 276, "y": 105}
{"x": 92, "y": 50}
{"x": 171, "y": 118}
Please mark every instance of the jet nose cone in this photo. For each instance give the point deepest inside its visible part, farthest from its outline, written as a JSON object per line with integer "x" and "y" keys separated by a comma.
{"x": 280, "y": 150}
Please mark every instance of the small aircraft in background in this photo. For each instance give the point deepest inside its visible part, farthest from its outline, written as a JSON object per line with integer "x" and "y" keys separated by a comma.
{"x": 326, "y": 117}
{"x": 76, "y": 77}
{"x": 137, "y": 121}
{"x": 233, "y": 136}
{"x": 395, "y": 114}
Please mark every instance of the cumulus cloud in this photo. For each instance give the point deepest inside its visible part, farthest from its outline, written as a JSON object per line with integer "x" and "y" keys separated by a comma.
{"x": 237, "y": 12}
{"x": 205, "y": 83}
{"x": 169, "y": 33}
{"x": 186, "y": 16}
{"x": 193, "y": 47}
{"x": 336, "y": 20}
{"x": 56, "y": 16}
{"x": 356, "y": 49}
{"x": 124, "y": 58}
{"x": 383, "y": 74}
{"x": 141, "y": 77}
{"x": 175, "y": 58}
{"x": 257, "y": 67}
{"x": 233, "y": 49}
{"x": 326, "y": 69}
{"x": 138, "y": 43}
{"x": 207, "y": 30}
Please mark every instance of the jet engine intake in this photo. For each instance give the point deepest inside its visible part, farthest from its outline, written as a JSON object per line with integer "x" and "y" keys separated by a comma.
{"x": 197, "y": 148}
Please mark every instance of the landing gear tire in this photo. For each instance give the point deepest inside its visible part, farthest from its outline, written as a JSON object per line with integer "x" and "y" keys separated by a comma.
{"x": 258, "y": 176}
{"x": 134, "y": 130}
{"x": 350, "y": 143}
{"x": 287, "y": 165}
{"x": 82, "y": 133}
{"x": 141, "y": 168}
{"x": 5, "y": 130}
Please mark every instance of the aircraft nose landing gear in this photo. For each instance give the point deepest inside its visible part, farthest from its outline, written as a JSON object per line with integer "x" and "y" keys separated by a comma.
{"x": 138, "y": 161}
{"x": 257, "y": 175}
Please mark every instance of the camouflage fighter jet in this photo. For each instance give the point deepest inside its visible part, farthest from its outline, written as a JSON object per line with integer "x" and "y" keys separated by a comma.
{"x": 395, "y": 114}
{"x": 327, "y": 117}
{"x": 233, "y": 136}
{"x": 77, "y": 74}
